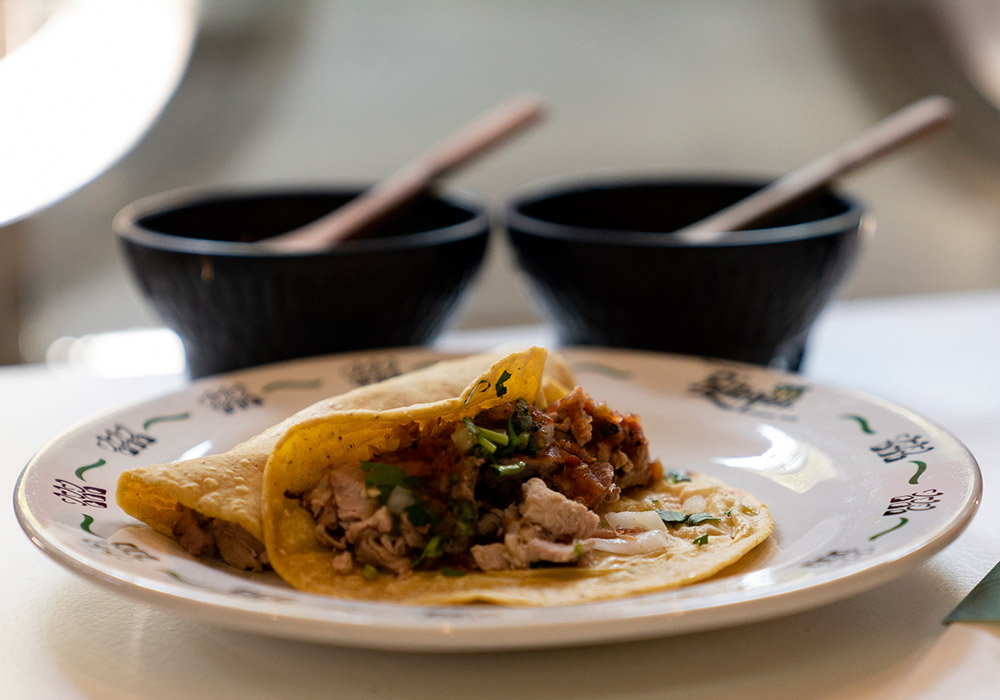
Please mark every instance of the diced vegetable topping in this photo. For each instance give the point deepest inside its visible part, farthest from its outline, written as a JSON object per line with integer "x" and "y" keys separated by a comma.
{"x": 385, "y": 477}
{"x": 676, "y": 517}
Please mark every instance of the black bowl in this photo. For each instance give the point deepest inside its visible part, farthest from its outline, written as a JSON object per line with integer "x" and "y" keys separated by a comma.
{"x": 600, "y": 257}
{"x": 235, "y": 304}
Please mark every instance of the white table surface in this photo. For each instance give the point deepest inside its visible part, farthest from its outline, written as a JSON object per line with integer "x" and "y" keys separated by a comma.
{"x": 63, "y": 637}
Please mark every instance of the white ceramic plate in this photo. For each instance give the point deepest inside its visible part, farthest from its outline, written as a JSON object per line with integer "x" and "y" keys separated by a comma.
{"x": 861, "y": 491}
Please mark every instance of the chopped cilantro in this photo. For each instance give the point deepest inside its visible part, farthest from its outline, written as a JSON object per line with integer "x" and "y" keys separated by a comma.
{"x": 501, "y": 389}
{"x": 520, "y": 422}
{"x": 514, "y": 440}
{"x": 431, "y": 551}
{"x": 676, "y": 476}
{"x": 699, "y": 518}
{"x": 676, "y": 517}
{"x": 489, "y": 441}
{"x": 672, "y": 516}
{"x": 700, "y": 541}
{"x": 487, "y": 446}
{"x": 385, "y": 477}
{"x": 465, "y": 516}
{"x": 476, "y": 389}
{"x": 510, "y": 469}
{"x": 418, "y": 514}
{"x": 497, "y": 438}
{"x": 369, "y": 572}
{"x": 493, "y": 445}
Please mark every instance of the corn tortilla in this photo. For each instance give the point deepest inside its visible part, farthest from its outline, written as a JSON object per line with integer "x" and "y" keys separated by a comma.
{"x": 228, "y": 486}
{"x": 306, "y": 451}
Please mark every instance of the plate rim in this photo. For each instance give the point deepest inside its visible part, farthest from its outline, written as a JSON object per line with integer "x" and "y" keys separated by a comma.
{"x": 469, "y": 633}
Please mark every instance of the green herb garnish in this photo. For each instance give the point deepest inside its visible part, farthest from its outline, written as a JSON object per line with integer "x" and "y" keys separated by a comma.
{"x": 510, "y": 469}
{"x": 493, "y": 445}
{"x": 448, "y": 571}
{"x": 520, "y": 421}
{"x": 489, "y": 441}
{"x": 431, "y": 551}
{"x": 700, "y": 541}
{"x": 699, "y": 518}
{"x": 465, "y": 517}
{"x": 676, "y": 476}
{"x": 418, "y": 514}
{"x": 501, "y": 389}
{"x": 385, "y": 477}
{"x": 677, "y": 517}
{"x": 388, "y": 478}
{"x": 672, "y": 517}
{"x": 369, "y": 572}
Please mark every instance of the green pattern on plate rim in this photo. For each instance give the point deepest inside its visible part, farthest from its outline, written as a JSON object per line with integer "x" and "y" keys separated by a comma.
{"x": 917, "y": 484}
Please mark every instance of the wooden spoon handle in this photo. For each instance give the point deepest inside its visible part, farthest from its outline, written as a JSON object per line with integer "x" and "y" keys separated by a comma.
{"x": 407, "y": 183}
{"x": 909, "y": 124}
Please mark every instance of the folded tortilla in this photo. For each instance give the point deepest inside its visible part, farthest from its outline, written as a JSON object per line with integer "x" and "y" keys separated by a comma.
{"x": 227, "y": 486}
{"x": 712, "y": 525}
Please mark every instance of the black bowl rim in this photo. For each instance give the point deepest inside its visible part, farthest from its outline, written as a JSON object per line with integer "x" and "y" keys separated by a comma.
{"x": 126, "y": 227}
{"x": 854, "y": 217}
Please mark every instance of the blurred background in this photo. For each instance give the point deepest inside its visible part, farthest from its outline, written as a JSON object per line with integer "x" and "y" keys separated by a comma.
{"x": 330, "y": 91}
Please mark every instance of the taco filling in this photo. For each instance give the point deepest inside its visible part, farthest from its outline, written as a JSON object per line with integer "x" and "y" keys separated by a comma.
{"x": 203, "y": 536}
{"x": 211, "y": 505}
{"x": 503, "y": 494}
{"x": 512, "y": 487}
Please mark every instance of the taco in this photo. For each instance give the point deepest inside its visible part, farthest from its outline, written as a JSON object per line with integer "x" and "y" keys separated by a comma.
{"x": 491, "y": 497}
{"x": 212, "y": 505}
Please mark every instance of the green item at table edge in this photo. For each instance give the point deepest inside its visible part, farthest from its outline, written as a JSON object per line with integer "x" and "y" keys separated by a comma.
{"x": 983, "y": 602}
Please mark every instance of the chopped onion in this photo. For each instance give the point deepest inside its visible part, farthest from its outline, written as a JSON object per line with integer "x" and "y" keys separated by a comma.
{"x": 696, "y": 504}
{"x": 463, "y": 438}
{"x": 400, "y": 498}
{"x": 635, "y": 520}
{"x": 641, "y": 543}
